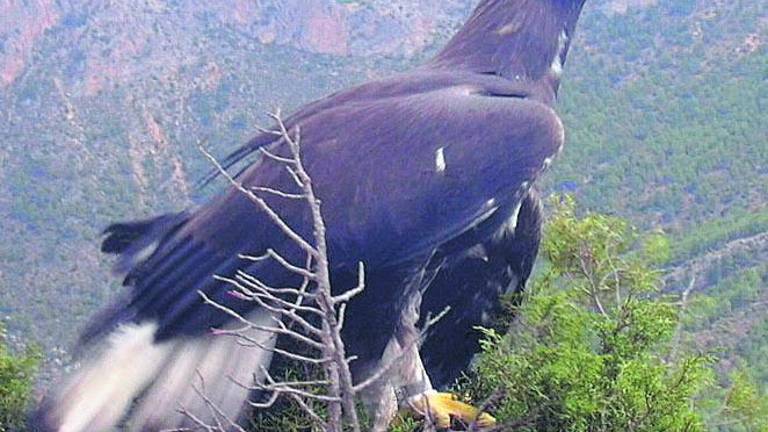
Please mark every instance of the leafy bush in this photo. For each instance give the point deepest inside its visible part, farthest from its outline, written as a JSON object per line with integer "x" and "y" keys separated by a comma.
{"x": 593, "y": 348}
{"x": 16, "y": 376}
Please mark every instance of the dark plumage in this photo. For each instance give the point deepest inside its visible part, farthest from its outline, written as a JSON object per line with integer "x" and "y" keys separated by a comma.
{"x": 429, "y": 170}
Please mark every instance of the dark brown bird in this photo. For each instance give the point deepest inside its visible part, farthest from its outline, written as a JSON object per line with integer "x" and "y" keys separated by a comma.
{"x": 431, "y": 171}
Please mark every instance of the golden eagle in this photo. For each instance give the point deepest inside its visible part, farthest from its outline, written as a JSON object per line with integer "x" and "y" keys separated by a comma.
{"x": 430, "y": 169}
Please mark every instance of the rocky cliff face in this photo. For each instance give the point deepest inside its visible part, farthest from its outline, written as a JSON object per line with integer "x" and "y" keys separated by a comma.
{"x": 24, "y": 23}
{"x": 106, "y": 39}
{"x": 108, "y": 42}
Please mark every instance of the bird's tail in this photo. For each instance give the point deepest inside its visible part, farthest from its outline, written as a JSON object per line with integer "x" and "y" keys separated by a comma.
{"x": 135, "y": 241}
{"x": 149, "y": 385}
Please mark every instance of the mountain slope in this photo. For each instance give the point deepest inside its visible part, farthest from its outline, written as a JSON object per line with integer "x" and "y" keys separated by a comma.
{"x": 102, "y": 105}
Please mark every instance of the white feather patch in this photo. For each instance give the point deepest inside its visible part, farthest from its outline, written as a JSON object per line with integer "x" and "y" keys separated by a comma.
{"x": 557, "y": 67}
{"x": 440, "y": 164}
{"x": 557, "y": 63}
{"x": 99, "y": 393}
{"x": 510, "y": 225}
{"x": 170, "y": 375}
{"x": 146, "y": 252}
{"x": 547, "y": 163}
{"x": 477, "y": 252}
{"x": 219, "y": 367}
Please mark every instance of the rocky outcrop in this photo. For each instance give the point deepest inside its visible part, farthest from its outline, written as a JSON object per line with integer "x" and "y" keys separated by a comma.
{"x": 22, "y": 24}
{"x": 111, "y": 38}
{"x": 622, "y": 7}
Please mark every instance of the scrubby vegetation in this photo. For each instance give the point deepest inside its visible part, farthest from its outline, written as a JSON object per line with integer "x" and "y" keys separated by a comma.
{"x": 16, "y": 379}
{"x": 594, "y": 347}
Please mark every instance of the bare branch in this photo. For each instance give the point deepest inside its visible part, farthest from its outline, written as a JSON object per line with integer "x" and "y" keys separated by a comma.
{"x": 301, "y": 291}
{"x": 277, "y": 386}
{"x": 291, "y": 307}
{"x": 254, "y": 258}
{"x": 277, "y": 158}
{"x": 290, "y": 267}
{"x": 216, "y": 413}
{"x": 294, "y": 176}
{"x": 383, "y": 369}
{"x": 349, "y": 295}
{"x": 291, "y": 314}
{"x": 267, "y": 293}
{"x": 278, "y": 193}
{"x": 306, "y": 408}
{"x": 293, "y": 235}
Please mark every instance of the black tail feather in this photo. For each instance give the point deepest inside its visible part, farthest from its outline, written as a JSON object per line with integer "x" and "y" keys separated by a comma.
{"x": 135, "y": 241}
{"x": 121, "y": 236}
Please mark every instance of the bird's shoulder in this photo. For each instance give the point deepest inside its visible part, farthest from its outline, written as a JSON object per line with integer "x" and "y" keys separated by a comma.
{"x": 423, "y": 81}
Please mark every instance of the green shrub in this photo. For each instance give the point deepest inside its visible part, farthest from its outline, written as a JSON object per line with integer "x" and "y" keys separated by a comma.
{"x": 16, "y": 380}
{"x": 593, "y": 348}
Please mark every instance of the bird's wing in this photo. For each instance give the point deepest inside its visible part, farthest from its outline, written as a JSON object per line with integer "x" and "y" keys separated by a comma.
{"x": 471, "y": 283}
{"x": 401, "y": 176}
{"x": 397, "y": 176}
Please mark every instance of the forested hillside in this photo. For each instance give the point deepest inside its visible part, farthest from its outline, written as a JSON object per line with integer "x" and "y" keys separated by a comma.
{"x": 670, "y": 134}
{"x": 102, "y": 105}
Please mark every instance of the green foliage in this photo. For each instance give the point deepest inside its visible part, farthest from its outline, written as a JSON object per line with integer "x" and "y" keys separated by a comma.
{"x": 706, "y": 236}
{"x": 16, "y": 376}
{"x": 663, "y": 129}
{"x": 745, "y": 407}
{"x": 592, "y": 349}
{"x": 286, "y": 415}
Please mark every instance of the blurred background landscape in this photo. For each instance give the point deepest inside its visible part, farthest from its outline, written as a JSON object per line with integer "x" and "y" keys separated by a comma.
{"x": 103, "y": 103}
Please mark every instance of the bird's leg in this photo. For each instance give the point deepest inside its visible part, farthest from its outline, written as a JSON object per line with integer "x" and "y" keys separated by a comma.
{"x": 385, "y": 408}
{"x": 443, "y": 408}
{"x": 414, "y": 390}
{"x": 405, "y": 385}
{"x": 404, "y": 374}
{"x": 420, "y": 399}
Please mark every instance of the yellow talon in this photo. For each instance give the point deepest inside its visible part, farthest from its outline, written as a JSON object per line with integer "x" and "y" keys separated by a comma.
{"x": 442, "y": 408}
